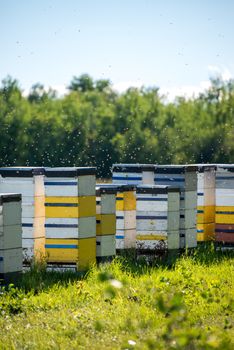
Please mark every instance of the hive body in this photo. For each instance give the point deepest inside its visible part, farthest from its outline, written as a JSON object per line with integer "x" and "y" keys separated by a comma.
{"x": 11, "y": 257}
{"x": 105, "y": 221}
{"x": 224, "y": 214}
{"x": 133, "y": 174}
{"x": 184, "y": 177}
{"x": 70, "y": 210}
{"x": 29, "y": 182}
{"x": 126, "y": 217}
{"x": 157, "y": 218}
{"x": 205, "y": 202}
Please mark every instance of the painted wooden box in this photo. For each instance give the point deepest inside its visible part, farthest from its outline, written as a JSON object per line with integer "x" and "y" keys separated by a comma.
{"x": 184, "y": 177}
{"x": 133, "y": 174}
{"x": 157, "y": 217}
{"x": 11, "y": 255}
{"x": 29, "y": 182}
{"x": 105, "y": 221}
{"x": 205, "y": 202}
{"x": 224, "y": 211}
{"x": 70, "y": 211}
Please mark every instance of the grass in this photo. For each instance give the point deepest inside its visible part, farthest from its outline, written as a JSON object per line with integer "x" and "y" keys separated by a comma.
{"x": 126, "y": 304}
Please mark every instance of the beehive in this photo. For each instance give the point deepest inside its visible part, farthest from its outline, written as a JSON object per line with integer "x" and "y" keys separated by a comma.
{"x": 184, "y": 177}
{"x": 205, "y": 202}
{"x": 133, "y": 174}
{"x": 157, "y": 218}
{"x": 224, "y": 214}
{"x": 11, "y": 256}
{"x": 126, "y": 217}
{"x": 70, "y": 209}
{"x": 105, "y": 221}
{"x": 29, "y": 182}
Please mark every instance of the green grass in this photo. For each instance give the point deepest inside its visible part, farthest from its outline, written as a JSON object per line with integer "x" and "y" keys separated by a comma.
{"x": 124, "y": 305}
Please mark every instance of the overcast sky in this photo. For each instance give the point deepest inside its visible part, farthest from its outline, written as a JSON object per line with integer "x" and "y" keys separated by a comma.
{"x": 176, "y": 45}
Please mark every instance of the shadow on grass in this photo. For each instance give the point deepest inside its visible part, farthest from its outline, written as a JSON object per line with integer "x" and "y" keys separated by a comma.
{"x": 38, "y": 278}
{"x": 206, "y": 253}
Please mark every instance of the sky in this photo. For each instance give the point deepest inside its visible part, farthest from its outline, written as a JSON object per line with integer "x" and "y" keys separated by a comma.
{"x": 175, "y": 45}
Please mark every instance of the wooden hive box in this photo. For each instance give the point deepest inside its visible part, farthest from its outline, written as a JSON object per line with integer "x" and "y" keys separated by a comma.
{"x": 125, "y": 215}
{"x": 133, "y": 174}
{"x": 105, "y": 221}
{"x": 205, "y": 202}
{"x": 29, "y": 182}
{"x": 157, "y": 218}
{"x": 11, "y": 256}
{"x": 184, "y": 177}
{"x": 224, "y": 212}
{"x": 70, "y": 209}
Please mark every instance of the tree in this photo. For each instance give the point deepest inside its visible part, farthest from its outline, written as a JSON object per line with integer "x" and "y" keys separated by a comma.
{"x": 83, "y": 83}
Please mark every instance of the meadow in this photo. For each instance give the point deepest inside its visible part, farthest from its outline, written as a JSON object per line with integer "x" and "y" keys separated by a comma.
{"x": 126, "y": 304}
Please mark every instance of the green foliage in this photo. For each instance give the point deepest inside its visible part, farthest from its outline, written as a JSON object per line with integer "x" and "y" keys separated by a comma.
{"x": 93, "y": 125}
{"x": 126, "y": 304}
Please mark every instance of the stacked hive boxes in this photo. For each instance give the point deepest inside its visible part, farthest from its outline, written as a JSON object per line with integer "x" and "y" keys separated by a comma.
{"x": 224, "y": 227}
{"x": 106, "y": 221}
{"x": 133, "y": 174}
{"x": 184, "y": 177}
{"x": 29, "y": 182}
{"x": 125, "y": 209}
{"x": 126, "y": 217}
{"x": 70, "y": 207}
{"x": 205, "y": 202}
{"x": 11, "y": 257}
{"x": 158, "y": 217}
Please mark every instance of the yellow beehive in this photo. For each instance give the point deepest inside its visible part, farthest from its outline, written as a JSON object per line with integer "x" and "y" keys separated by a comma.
{"x": 70, "y": 210}
{"x": 205, "y": 202}
{"x": 126, "y": 216}
{"x": 106, "y": 221}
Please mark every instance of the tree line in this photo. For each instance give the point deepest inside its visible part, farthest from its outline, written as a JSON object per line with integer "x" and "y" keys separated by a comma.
{"x": 94, "y": 125}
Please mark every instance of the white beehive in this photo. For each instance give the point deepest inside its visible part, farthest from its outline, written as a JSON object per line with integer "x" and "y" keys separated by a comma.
{"x": 29, "y": 182}
{"x": 133, "y": 174}
{"x": 157, "y": 217}
{"x": 184, "y": 177}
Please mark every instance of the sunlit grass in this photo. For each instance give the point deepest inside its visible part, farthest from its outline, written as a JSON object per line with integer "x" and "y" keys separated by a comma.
{"x": 125, "y": 304}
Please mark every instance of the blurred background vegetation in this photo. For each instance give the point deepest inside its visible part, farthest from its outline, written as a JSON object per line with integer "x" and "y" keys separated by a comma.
{"x": 94, "y": 125}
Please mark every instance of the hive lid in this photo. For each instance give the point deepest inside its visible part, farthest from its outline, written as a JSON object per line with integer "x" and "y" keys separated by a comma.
{"x": 175, "y": 169}
{"x": 201, "y": 167}
{"x": 103, "y": 189}
{"x": 21, "y": 171}
{"x": 227, "y": 167}
{"x": 156, "y": 189}
{"x": 121, "y": 187}
{"x": 133, "y": 168}
{"x": 9, "y": 197}
{"x": 69, "y": 171}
